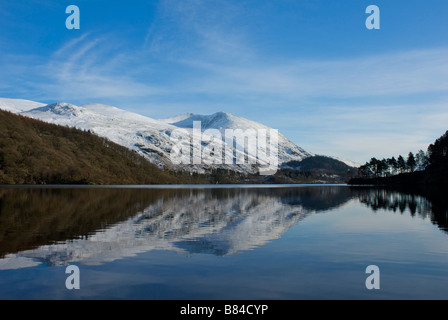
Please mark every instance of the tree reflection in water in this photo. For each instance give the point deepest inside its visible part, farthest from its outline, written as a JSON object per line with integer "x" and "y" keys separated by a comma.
{"x": 427, "y": 203}
{"x": 57, "y": 225}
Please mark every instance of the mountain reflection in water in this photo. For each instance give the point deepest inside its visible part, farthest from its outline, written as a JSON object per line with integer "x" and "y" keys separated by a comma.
{"x": 92, "y": 226}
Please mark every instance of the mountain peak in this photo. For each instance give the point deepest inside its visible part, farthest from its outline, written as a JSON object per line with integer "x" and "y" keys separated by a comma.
{"x": 61, "y": 108}
{"x": 152, "y": 137}
{"x": 219, "y": 120}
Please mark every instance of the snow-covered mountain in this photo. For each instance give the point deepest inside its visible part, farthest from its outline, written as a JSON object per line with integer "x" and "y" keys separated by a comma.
{"x": 152, "y": 138}
{"x": 18, "y": 105}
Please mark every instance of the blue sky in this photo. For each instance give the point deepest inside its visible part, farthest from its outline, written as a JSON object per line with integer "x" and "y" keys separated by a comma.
{"x": 309, "y": 68}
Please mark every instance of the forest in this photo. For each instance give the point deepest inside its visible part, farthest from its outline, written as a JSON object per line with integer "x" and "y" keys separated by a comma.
{"x": 430, "y": 167}
{"x": 35, "y": 152}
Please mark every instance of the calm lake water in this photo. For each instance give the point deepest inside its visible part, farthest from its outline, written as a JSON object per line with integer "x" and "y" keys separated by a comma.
{"x": 227, "y": 242}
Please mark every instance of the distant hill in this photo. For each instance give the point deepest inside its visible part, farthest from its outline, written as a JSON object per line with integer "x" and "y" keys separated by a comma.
{"x": 314, "y": 169}
{"x": 35, "y": 152}
{"x": 320, "y": 163}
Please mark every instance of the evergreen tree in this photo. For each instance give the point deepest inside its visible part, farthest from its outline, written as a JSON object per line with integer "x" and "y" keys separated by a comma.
{"x": 364, "y": 170}
{"x": 383, "y": 167}
{"x": 393, "y": 165}
{"x": 438, "y": 151}
{"x": 375, "y": 166}
{"x": 411, "y": 163}
{"x": 421, "y": 159}
{"x": 401, "y": 164}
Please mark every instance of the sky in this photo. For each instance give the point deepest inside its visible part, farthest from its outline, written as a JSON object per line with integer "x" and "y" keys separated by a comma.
{"x": 309, "y": 68}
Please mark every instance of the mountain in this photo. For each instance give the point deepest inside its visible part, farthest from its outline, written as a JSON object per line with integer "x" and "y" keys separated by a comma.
{"x": 36, "y": 152}
{"x": 287, "y": 150}
{"x": 18, "y": 105}
{"x": 152, "y": 138}
{"x": 322, "y": 162}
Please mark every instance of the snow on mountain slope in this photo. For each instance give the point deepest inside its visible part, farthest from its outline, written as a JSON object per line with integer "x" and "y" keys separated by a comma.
{"x": 18, "y": 105}
{"x": 287, "y": 150}
{"x": 347, "y": 162}
{"x": 152, "y": 138}
{"x": 140, "y": 134}
{"x": 118, "y": 113}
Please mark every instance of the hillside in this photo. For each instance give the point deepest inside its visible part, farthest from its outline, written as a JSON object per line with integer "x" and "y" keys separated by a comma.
{"x": 323, "y": 163}
{"x": 35, "y": 152}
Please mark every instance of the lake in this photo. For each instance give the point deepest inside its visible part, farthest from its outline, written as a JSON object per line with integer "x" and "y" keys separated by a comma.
{"x": 277, "y": 242}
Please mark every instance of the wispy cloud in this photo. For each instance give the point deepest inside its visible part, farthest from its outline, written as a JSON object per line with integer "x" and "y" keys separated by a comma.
{"x": 201, "y": 56}
{"x": 196, "y": 29}
{"x": 84, "y": 68}
{"x": 400, "y": 73}
{"x": 193, "y": 49}
{"x": 215, "y": 47}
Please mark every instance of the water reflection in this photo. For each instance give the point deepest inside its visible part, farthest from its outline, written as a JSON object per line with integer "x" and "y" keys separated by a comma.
{"x": 92, "y": 226}
{"x": 431, "y": 204}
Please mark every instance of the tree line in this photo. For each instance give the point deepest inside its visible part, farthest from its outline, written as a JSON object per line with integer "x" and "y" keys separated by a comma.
{"x": 35, "y": 152}
{"x": 436, "y": 155}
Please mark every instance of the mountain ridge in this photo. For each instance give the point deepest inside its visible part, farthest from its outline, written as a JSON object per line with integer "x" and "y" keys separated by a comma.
{"x": 146, "y": 136}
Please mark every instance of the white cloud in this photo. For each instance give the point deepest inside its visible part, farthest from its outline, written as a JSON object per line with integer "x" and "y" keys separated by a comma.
{"x": 216, "y": 48}
{"x": 88, "y": 68}
{"x": 401, "y": 73}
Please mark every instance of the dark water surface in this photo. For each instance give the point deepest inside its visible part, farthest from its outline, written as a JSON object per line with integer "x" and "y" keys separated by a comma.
{"x": 231, "y": 242}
